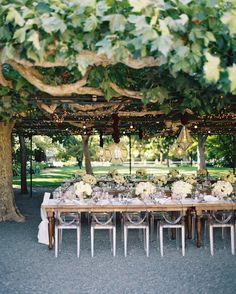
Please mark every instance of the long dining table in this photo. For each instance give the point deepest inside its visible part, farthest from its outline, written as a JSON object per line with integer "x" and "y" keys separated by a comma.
{"x": 185, "y": 206}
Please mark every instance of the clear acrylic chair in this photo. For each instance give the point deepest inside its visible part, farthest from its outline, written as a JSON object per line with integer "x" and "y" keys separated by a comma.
{"x": 155, "y": 217}
{"x": 175, "y": 220}
{"x": 223, "y": 220}
{"x": 67, "y": 221}
{"x": 104, "y": 221}
{"x": 135, "y": 220}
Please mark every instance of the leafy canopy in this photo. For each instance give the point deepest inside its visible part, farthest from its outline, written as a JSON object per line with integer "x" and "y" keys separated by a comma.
{"x": 190, "y": 38}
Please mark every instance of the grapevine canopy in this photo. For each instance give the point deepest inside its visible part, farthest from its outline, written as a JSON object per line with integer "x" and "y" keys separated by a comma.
{"x": 84, "y": 60}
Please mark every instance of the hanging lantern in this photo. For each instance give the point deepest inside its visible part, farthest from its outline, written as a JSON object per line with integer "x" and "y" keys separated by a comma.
{"x": 118, "y": 153}
{"x": 184, "y": 140}
{"x": 177, "y": 151}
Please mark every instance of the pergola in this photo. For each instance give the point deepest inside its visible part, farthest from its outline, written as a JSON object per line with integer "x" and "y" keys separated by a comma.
{"x": 95, "y": 115}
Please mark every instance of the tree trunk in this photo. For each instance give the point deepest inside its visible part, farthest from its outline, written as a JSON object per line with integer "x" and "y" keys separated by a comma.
{"x": 201, "y": 151}
{"x": 23, "y": 165}
{"x": 87, "y": 159}
{"x": 8, "y": 209}
{"x": 234, "y": 153}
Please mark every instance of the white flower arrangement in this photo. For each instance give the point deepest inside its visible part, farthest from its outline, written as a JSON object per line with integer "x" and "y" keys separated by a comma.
{"x": 174, "y": 173}
{"x": 181, "y": 189}
{"x": 222, "y": 189}
{"x": 89, "y": 179}
{"x": 119, "y": 179}
{"x": 190, "y": 179}
{"x": 202, "y": 172}
{"x": 80, "y": 173}
{"x": 160, "y": 180}
{"x": 144, "y": 189}
{"x": 141, "y": 172}
{"x": 82, "y": 189}
{"x": 229, "y": 177}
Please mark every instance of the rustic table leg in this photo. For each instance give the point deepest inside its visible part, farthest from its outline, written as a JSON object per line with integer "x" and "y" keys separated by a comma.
{"x": 199, "y": 229}
{"x": 50, "y": 230}
{"x": 189, "y": 223}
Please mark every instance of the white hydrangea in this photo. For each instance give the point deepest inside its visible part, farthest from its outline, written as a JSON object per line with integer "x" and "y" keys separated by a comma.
{"x": 82, "y": 189}
{"x": 181, "y": 188}
{"x": 145, "y": 189}
{"x": 222, "y": 189}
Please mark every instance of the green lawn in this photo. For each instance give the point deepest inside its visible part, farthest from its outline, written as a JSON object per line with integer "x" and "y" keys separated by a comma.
{"x": 53, "y": 177}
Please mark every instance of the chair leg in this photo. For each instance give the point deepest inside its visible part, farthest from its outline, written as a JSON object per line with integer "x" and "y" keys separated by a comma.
{"x": 78, "y": 240}
{"x": 232, "y": 240}
{"x": 147, "y": 241}
{"x": 177, "y": 238}
{"x": 60, "y": 237}
{"x": 56, "y": 242}
{"x": 183, "y": 240}
{"x": 161, "y": 240}
{"x": 92, "y": 241}
{"x": 158, "y": 229}
{"x": 144, "y": 239}
{"x": 114, "y": 241}
{"x": 125, "y": 240}
{"x": 211, "y": 239}
{"x": 152, "y": 226}
{"x": 193, "y": 227}
{"x": 122, "y": 227}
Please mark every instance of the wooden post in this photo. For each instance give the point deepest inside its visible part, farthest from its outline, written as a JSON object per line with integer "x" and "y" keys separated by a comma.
{"x": 88, "y": 166}
{"x": 234, "y": 153}
{"x": 130, "y": 150}
{"x": 24, "y": 189}
{"x": 31, "y": 167}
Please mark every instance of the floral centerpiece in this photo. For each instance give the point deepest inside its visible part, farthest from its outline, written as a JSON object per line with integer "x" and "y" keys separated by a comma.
{"x": 181, "y": 189}
{"x": 144, "y": 189}
{"x": 191, "y": 179}
{"x": 82, "y": 190}
{"x": 80, "y": 173}
{"x": 222, "y": 189}
{"x": 89, "y": 179}
{"x": 173, "y": 173}
{"x": 119, "y": 179}
{"x": 160, "y": 180}
{"x": 141, "y": 172}
{"x": 229, "y": 177}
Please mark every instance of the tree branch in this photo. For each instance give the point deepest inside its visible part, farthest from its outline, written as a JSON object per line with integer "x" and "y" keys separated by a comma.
{"x": 3, "y": 81}
{"x": 94, "y": 59}
{"x": 61, "y": 90}
{"x": 36, "y": 79}
{"x": 125, "y": 92}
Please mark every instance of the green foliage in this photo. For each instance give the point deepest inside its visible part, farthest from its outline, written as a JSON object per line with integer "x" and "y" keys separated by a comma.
{"x": 195, "y": 39}
{"x": 219, "y": 150}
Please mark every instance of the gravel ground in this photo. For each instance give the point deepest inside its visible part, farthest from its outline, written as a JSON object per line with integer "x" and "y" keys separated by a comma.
{"x": 29, "y": 267}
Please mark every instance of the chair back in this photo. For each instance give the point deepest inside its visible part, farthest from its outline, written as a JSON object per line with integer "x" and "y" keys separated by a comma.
{"x": 67, "y": 218}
